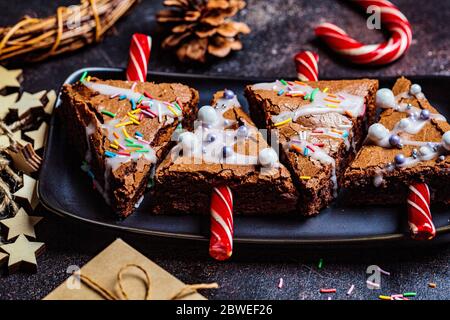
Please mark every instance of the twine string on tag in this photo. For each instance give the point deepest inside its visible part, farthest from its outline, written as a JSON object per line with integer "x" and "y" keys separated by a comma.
{"x": 108, "y": 295}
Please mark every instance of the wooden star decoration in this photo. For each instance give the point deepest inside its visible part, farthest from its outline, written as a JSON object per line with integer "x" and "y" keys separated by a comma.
{"x": 6, "y": 103}
{"x": 21, "y": 223}
{"x": 9, "y": 78}
{"x": 4, "y": 142}
{"x": 3, "y": 258}
{"x": 38, "y": 136}
{"x": 17, "y": 136}
{"x": 22, "y": 254}
{"x": 28, "y": 101}
{"x": 28, "y": 191}
{"x": 51, "y": 97}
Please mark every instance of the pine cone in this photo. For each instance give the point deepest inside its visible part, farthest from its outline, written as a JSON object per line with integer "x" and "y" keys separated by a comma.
{"x": 201, "y": 27}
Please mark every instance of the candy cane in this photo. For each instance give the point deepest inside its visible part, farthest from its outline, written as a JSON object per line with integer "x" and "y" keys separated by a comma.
{"x": 375, "y": 54}
{"x": 139, "y": 55}
{"x": 306, "y": 63}
{"x": 419, "y": 214}
{"x": 221, "y": 241}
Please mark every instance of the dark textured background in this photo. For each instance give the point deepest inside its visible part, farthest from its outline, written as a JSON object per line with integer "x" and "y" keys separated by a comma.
{"x": 280, "y": 29}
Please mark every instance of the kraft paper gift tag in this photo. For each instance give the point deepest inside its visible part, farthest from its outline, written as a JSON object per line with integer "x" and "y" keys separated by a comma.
{"x": 104, "y": 268}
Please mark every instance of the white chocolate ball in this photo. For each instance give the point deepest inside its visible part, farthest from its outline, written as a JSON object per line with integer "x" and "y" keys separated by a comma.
{"x": 385, "y": 99}
{"x": 446, "y": 141}
{"x": 268, "y": 157}
{"x": 377, "y": 132}
{"x": 404, "y": 123}
{"x": 415, "y": 89}
{"x": 188, "y": 141}
{"x": 425, "y": 151}
{"x": 207, "y": 115}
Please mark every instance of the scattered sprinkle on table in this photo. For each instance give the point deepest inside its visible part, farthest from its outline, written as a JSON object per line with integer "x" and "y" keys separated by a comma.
{"x": 280, "y": 283}
{"x": 352, "y": 287}
{"x": 409, "y": 294}
{"x": 432, "y": 285}
{"x": 381, "y": 297}
{"x": 320, "y": 263}
{"x": 328, "y": 290}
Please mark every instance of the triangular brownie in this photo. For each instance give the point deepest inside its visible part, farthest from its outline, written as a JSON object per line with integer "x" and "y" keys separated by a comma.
{"x": 224, "y": 149}
{"x": 320, "y": 127}
{"x": 121, "y": 130}
{"x": 410, "y": 143}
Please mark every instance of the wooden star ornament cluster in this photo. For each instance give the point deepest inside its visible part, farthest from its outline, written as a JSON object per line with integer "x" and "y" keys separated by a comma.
{"x": 23, "y": 131}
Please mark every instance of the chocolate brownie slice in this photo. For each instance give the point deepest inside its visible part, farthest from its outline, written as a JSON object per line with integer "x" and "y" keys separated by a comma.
{"x": 224, "y": 149}
{"x": 320, "y": 127}
{"x": 410, "y": 143}
{"x": 122, "y": 129}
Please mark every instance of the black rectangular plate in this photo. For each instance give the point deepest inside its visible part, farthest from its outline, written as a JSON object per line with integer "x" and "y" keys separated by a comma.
{"x": 64, "y": 189}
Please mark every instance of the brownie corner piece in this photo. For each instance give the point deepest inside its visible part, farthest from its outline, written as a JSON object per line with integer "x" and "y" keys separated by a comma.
{"x": 406, "y": 146}
{"x": 121, "y": 130}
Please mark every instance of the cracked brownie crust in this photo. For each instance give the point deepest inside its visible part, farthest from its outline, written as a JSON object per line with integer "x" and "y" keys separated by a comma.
{"x": 315, "y": 180}
{"x": 82, "y": 117}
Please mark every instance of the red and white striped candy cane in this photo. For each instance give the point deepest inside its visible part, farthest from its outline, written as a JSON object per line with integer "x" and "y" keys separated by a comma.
{"x": 221, "y": 241}
{"x": 374, "y": 54}
{"x": 139, "y": 55}
{"x": 307, "y": 65}
{"x": 419, "y": 214}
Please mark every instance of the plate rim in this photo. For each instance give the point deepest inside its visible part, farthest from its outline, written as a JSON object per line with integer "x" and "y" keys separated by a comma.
{"x": 170, "y": 235}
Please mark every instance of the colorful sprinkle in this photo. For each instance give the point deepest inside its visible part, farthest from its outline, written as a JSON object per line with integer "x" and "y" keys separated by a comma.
{"x": 114, "y": 95}
{"x": 133, "y": 104}
{"x": 305, "y": 177}
{"x": 149, "y": 113}
{"x": 305, "y": 152}
{"x": 319, "y": 145}
{"x": 300, "y": 83}
{"x": 409, "y": 294}
{"x": 134, "y": 145}
{"x": 329, "y": 105}
{"x": 352, "y": 287}
{"x": 83, "y": 76}
{"x": 348, "y": 114}
{"x": 325, "y": 90}
{"x": 109, "y": 113}
{"x": 114, "y": 146}
{"x": 140, "y": 99}
{"x": 116, "y": 135}
{"x": 280, "y": 93}
{"x": 139, "y": 134}
{"x": 91, "y": 174}
{"x": 172, "y": 110}
{"x": 148, "y": 95}
{"x": 110, "y": 154}
{"x": 432, "y": 285}
{"x": 122, "y": 153}
{"x": 313, "y": 94}
{"x": 133, "y": 86}
{"x": 384, "y": 297}
{"x": 129, "y": 140}
{"x": 280, "y": 283}
{"x": 283, "y": 82}
{"x": 143, "y": 150}
{"x": 282, "y": 122}
{"x": 296, "y": 148}
{"x": 125, "y": 133}
{"x": 332, "y": 100}
{"x": 177, "y": 105}
{"x": 123, "y": 124}
{"x": 122, "y": 97}
{"x": 326, "y": 290}
{"x": 320, "y": 263}
{"x": 133, "y": 120}
{"x": 345, "y": 134}
{"x": 88, "y": 78}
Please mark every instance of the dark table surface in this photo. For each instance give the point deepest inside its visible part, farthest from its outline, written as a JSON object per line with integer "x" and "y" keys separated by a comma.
{"x": 280, "y": 29}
